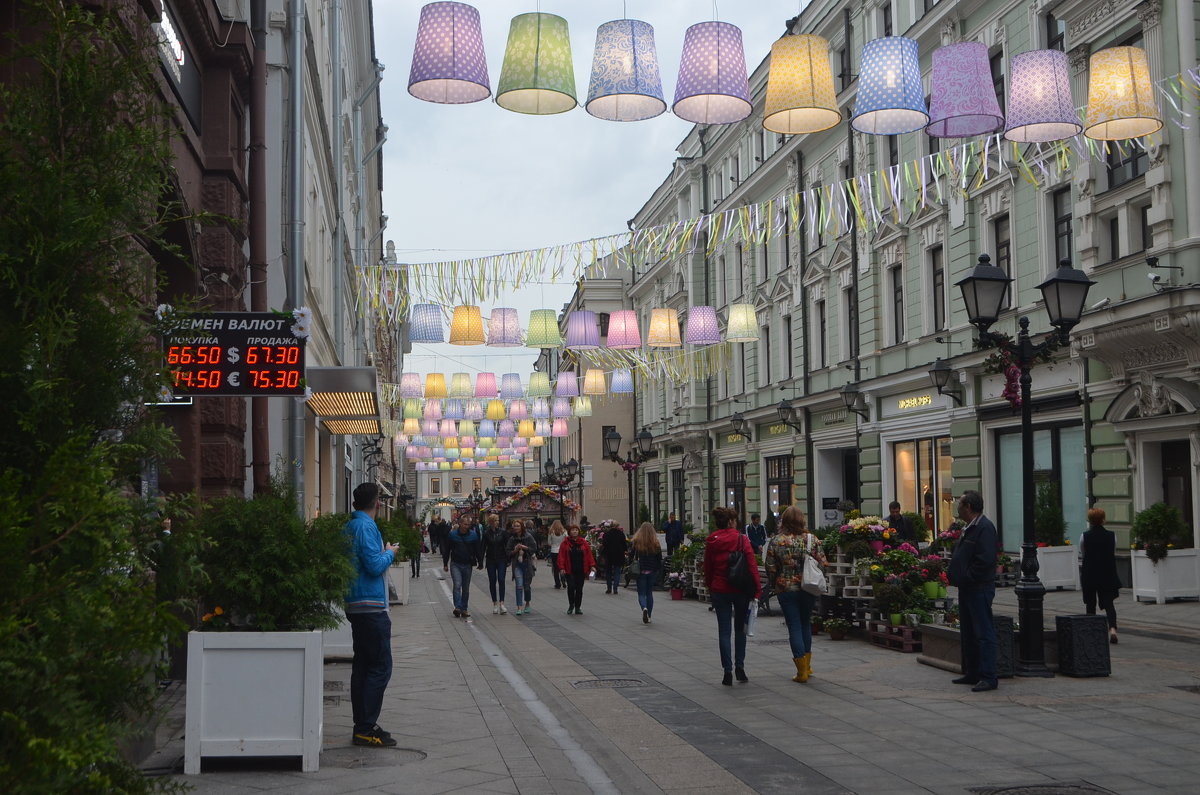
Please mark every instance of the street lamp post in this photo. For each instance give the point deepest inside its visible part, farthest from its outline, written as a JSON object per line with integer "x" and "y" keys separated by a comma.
{"x": 561, "y": 477}
{"x": 639, "y": 453}
{"x": 475, "y": 501}
{"x": 1064, "y": 294}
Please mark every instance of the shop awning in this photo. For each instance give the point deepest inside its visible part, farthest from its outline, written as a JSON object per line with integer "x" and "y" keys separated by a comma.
{"x": 345, "y": 399}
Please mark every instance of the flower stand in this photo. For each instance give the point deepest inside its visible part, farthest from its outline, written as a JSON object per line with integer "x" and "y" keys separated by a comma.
{"x": 1177, "y": 576}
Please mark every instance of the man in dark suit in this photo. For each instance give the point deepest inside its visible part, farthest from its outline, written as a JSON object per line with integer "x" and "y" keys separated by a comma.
{"x": 900, "y": 524}
{"x": 973, "y": 571}
{"x": 674, "y": 530}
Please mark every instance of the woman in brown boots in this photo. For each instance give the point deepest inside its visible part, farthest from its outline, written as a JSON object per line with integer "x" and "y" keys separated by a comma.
{"x": 785, "y": 568}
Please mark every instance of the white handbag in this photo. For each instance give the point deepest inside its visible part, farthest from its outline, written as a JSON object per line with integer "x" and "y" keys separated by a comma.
{"x": 813, "y": 578}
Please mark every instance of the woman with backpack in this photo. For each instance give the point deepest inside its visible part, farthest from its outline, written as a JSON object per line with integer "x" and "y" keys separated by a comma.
{"x": 786, "y": 554}
{"x": 731, "y": 574}
{"x": 648, "y": 557}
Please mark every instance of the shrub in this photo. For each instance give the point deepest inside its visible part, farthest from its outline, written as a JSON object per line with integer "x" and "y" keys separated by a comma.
{"x": 1158, "y": 527}
{"x": 917, "y": 522}
{"x": 858, "y": 549}
{"x": 396, "y": 529}
{"x": 889, "y": 598}
{"x": 1049, "y": 528}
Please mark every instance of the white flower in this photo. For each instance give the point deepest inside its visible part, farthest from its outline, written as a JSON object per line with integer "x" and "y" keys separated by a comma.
{"x": 163, "y": 310}
{"x": 300, "y": 329}
{"x": 308, "y": 393}
{"x": 303, "y": 315}
{"x": 165, "y": 395}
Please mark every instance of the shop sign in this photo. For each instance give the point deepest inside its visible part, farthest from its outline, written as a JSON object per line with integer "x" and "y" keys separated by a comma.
{"x": 775, "y": 429}
{"x": 733, "y": 438}
{"x": 835, "y": 417}
{"x": 914, "y": 402}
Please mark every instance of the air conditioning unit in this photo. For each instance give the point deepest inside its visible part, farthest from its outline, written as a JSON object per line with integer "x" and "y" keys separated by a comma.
{"x": 234, "y": 10}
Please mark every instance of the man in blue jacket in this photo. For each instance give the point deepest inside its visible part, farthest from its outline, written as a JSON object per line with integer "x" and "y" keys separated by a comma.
{"x": 462, "y": 549}
{"x": 370, "y": 625}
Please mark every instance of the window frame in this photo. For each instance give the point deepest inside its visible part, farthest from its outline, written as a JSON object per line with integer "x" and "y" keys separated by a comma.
{"x": 937, "y": 286}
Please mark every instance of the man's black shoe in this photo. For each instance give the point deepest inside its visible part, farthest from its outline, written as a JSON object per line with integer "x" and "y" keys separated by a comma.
{"x": 740, "y": 673}
{"x": 966, "y": 680}
{"x": 375, "y": 737}
{"x": 983, "y": 686}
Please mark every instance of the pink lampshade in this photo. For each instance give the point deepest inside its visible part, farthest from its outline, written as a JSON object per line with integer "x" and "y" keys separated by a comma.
{"x": 485, "y": 385}
{"x": 963, "y": 101}
{"x": 429, "y": 428}
{"x": 702, "y": 328}
{"x": 559, "y": 428}
{"x": 623, "y": 332}
{"x": 583, "y": 330}
{"x": 433, "y": 409}
{"x": 1040, "y": 108}
{"x": 518, "y": 410}
{"x": 567, "y": 384}
{"x": 447, "y": 429}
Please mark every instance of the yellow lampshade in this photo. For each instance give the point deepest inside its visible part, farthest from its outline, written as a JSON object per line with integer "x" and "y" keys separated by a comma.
{"x": 743, "y": 324}
{"x": 1121, "y": 102}
{"x": 412, "y": 427}
{"x": 495, "y": 410}
{"x": 435, "y": 385}
{"x": 536, "y": 441}
{"x": 664, "y": 329}
{"x": 800, "y": 94}
{"x": 456, "y": 465}
{"x": 593, "y": 382}
{"x": 466, "y": 326}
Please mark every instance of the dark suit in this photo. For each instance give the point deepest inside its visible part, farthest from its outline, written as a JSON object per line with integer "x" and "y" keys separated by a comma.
{"x": 1098, "y": 571}
{"x": 903, "y": 528}
{"x": 973, "y": 571}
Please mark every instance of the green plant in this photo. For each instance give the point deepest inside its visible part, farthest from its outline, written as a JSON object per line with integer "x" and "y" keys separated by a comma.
{"x": 644, "y": 513}
{"x": 889, "y": 598}
{"x": 1049, "y": 528}
{"x": 771, "y": 524}
{"x": 917, "y": 522}
{"x": 396, "y": 529}
{"x": 834, "y": 624}
{"x": 1158, "y": 528}
{"x": 858, "y": 549}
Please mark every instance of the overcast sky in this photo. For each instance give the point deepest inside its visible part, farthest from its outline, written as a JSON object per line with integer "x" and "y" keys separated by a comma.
{"x": 472, "y": 180}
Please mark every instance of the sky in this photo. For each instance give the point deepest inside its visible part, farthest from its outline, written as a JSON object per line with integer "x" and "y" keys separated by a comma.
{"x": 473, "y": 180}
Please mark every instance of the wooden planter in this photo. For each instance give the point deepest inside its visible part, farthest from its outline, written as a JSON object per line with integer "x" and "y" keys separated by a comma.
{"x": 254, "y": 694}
{"x": 1058, "y": 566}
{"x": 1177, "y": 576}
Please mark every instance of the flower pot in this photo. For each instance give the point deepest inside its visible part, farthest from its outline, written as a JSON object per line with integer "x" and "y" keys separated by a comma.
{"x": 931, "y": 589}
{"x": 876, "y": 546}
{"x": 897, "y": 619}
{"x": 676, "y": 594}
{"x": 1058, "y": 567}
{"x": 942, "y": 591}
{"x": 1177, "y": 576}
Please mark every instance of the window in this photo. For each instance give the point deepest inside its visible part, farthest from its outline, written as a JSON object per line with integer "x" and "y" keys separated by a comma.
{"x": 762, "y": 266}
{"x": 741, "y": 367}
{"x": 1125, "y": 166}
{"x": 605, "y": 430}
{"x": 456, "y": 486}
{"x": 897, "y": 276}
{"x": 477, "y": 484}
{"x": 1145, "y": 233}
{"x": 722, "y": 285}
{"x": 496, "y": 482}
{"x": 846, "y": 73}
{"x": 787, "y": 347}
{"x": 937, "y": 282}
{"x": 997, "y": 65}
{"x": 764, "y": 356}
{"x": 927, "y": 5}
{"x": 885, "y": 19}
{"x": 820, "y": 322}
{"x": 849, "y": 324}
{"x": 604, "y": 317}
{"x": 893, "y": 145}
{"x": 1059, "y": 476}
{"x": 677, "y": 494}
{"x": 760, "y": 145}
{"x": 738, "y": 264}
{"x": 435, "y": 485}
{"x": 933, "y": 143}
{"x": 735, "y": 489}
{"x": 1061, "y": 207}
{"x": 653, "y": 484}
{"x": 779, "y": 483}
{"x": 922, "y": 482}
{"x": 1002, "y": 237}
{"x": 1114, "y": 238}
{"x": 1056, "y": 33}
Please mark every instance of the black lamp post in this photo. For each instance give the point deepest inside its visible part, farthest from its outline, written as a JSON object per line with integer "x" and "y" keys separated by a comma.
{"x": 787, "y": 415}
{"x": 639, "y": 453}
{"x": 475, "y": 501}
{"x": 940, "y": 374}
{"x": 403, "y": 497}
{"x": 1064, "y": 294}
{"x": 561, "y": 477}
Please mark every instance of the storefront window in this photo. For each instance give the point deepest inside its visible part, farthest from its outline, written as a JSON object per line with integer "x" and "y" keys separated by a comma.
{"x": 652, "y": 495}
{"x": 922, "y": 480}
{"x": 1058, "y": 458}
{"x": 735, "y": 489}
{"x": 779, "y": 483}
{"x": 677, "y": 496}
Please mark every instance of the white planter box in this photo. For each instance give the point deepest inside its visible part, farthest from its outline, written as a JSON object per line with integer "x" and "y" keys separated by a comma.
{"x": 1059, "y": 566}
{"x": 1177, "y": 576}
{"x": 254, "y": 694}
{"x": 338, "y": 643}
{"x": 399, "y": 577}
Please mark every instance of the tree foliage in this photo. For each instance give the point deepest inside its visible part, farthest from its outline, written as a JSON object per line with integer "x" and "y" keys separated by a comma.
{"x": 83, "y": 148}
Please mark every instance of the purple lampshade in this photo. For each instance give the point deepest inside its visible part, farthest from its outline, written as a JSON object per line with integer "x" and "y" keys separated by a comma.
{"x": 561, "y": 407}
{"x": 702, "y": 328}
{"x": 433, "y": 409}
{"x": 511, "y": 387}
{"x": 890, "y": 96}
{"x": 541, "y": 409}
{"x": 541, "y": 428}
{"x": 473, "y": 410}
{"x": 559, "y": 428}
{"x": 453, "y": 409}
{"x": 622, "y": 382}
{"x": 623, "y": 332}
{"x": 507, "y": 430}
{"x": 583, "y": 330}
{"x": 567, "y": 384}
{"x": 411, "y": 386}
{"x": 485, "y": 385}
{"x": 449, "y": 66}
{"x": 1040, "y": 108}
{"x": 518, "y": 410}
{"x": 712, "y": 87}
{"x": 429, "y": 428}
{"x": 504, "y": 329}
{"x": 963, "y": 101}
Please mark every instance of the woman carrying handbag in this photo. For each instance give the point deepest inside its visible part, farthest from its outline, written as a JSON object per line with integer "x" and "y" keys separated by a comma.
{"x": 787, "y": 554}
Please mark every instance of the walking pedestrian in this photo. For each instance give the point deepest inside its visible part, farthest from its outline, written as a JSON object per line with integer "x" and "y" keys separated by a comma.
{"x": 557, "y": 534}
{"x": 415, "y": 563}
{"x": 462, "y": 550}
{"x": 370, "y": 624}
{"x": 1098, "y": 578}
{"x": 674, "y": 532}
{"x": 520, "y": 549}
{"x": 756, "y": 531}
{"x": 730, "y": 604}
{"x": 613, "y": 546}
{"x": 973, "y": 571}
{"x": 495, "y": 560}
{"x": 649, "y": 560}
{"x": 785, "y": 559}
{"x": 576, "y": 561}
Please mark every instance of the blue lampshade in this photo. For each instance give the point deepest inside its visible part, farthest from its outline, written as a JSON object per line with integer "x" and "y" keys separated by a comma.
{"x": 541, "y": 409}
{"x": 583, "y": 330}
{"x": 625, "y": 83}
{"x": 622, "y": 382}
{"x": 511, "y": 387}
{"x": 567, "y": 384}
{"x": 454, "y": 409}
{"x": 487, "y": 429}
{"x": 425, "y": 323}
{"x": 890, "y": 98}
{"x": 560, "y": 407}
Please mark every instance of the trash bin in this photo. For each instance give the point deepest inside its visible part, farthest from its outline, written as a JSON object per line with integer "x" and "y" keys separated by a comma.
{"x": 1083, "y": 645}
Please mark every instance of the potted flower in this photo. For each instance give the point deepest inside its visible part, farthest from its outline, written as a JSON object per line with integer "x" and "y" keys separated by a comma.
{"x": 837, "y": 627}
{"x": 1161, "y": 571}
{"x": 675, "y": 582}
{"x": 1058, "y": 565}
{"x": 890, "y": 600}
{"x": 865, "y": 528}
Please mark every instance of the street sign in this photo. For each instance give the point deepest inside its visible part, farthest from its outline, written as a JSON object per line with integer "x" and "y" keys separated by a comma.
{"x": 247, "y": 354}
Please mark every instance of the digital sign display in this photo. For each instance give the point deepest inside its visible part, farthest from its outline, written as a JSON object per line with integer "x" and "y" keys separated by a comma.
{"x": 235, "y": 354}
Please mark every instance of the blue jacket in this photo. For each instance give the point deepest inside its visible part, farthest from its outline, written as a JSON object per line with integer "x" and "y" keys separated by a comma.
{"x": 462, "y": 549}
{"x": 369, "y": 590}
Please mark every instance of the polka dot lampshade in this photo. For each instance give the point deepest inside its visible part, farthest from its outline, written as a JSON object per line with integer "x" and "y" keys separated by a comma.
{"x": 511, "y": 387}
{"x": 800, "y": 94}
{"x": 622, "y": 382}
{"x": 712, "y": 87}
{"x": 623, "y": 332}
{"x": 504, "y": 328}
{"x": 466, "y": 326}
{"x": 890, "y": 97}
{"x": 1040, "y": 108}
{"x": 538, "y": 76}
{"x": 702, "y": 326}
{"x": 1121, "y": 102}
{"x": 449, "y": 66}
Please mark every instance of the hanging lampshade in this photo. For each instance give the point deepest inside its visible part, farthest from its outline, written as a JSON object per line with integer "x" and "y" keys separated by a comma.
{"x": 560, "y": 407}
{"x": 543, "y": 330}
{"x": 433, "y": 409}
{"x": 539, "y": 385}
{"x": 518, "y": 410}
{"x": 466, "y": 326}
{"x": 473, "y": 410}
{"x": 460, "y": 385}
{"x": 1040, "y": 108}
{"x": 447, "y": 429}
{"x": 702, "y": 328}
{"x": 583, "y": 331}
{"x": 429, "y": 427}
{"x": 623, "y": 332}
{"x": 485, "y": 385}
{"x": 890, "y": 97}
{"x": 541, "y": 427}
{"x": 537, "y": 76}
{"x": 435, "y": 386}
{"x": 559, "y": 428}
{"x": 593, "y": 382}
{"x": 712, "y": 87}
{"x": 456, "y": 465}
{"x": 1121, "y": 103}
{"x": 540, "y": 410}
{"x": 664, "y": 329}
{"x": 622, "y": 382}
{"x": 536, "y": 441}
{"x": 963, "y": 103}
{"x": 800, "y": 94}
{"x": 401, "y": 441}
{"x": 510, "y": 386}
{"x": 581, "y": 407}
{"x": 439, "y": 451}
{"x": 525, "y": 429}
{"x": 743, "y": 324}
{"x": 444, "y": 466}
{"x": 412, "y": 426}
{"x": 625, "y": 84}
{"x": 487, "y": 429}
{"x": 567, "y": 384}
{"x": 466, "y": 428}
{"x": 495, "y": 410}
{"x": 504, "y": 329}
{"x": 410, "y": 385}
{"x": 412, "y": 408}
{"x": 506, "y": 430}
{"x": 453, "y": 410}
{"x": 448, "y": 65}
{"x": 425, "y": 323}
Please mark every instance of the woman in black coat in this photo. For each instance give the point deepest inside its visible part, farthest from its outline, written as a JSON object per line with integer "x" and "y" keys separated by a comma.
{"x": 1098, "y": 570}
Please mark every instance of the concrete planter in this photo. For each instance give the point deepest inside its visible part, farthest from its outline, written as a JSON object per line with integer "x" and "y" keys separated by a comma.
{"x": 254, "y": 694}
{"x": 1177, "y": 576}
{"x": 1058, "y": 566}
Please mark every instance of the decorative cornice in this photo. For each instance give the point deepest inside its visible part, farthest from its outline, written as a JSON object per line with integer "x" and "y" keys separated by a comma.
{"x": 1149, "y": 13}
{"x": 1102, "y": 11}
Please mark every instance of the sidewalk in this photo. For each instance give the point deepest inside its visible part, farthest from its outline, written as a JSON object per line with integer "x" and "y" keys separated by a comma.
{"x": 603, "y": 703}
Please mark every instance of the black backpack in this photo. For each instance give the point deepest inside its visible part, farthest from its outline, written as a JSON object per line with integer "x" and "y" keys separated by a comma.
{"x": 739, "y": 576}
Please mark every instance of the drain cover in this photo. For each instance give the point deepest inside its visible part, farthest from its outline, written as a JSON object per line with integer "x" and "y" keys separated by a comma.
{"x": 772, "y": 642}
{"x": 1061, "y": 788}
{"x": 590, "y": 684}
{"x": 353, "y": 758}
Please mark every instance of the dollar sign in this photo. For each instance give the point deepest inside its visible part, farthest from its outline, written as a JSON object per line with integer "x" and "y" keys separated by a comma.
{"x": 233, "y": 356}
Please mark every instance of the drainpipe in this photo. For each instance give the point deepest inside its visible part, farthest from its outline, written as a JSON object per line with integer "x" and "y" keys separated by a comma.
{"x": 339, "y": 181}
{"x": 810, "y": 484}
{"x": 1089, "y": 469}
{"x": 853, "y": 245}
{"x": 260, "y": 417}
{"x": 295, "y": 285}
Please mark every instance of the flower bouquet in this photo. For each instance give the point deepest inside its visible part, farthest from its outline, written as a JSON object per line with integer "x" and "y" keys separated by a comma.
{"x": 863, "y": 528}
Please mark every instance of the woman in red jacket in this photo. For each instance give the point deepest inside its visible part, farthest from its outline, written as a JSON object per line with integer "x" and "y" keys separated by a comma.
{"x": 730, "y": 604}
{"x": 576, "y": 561}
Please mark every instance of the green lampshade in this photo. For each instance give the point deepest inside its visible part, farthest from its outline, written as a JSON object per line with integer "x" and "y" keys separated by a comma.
{"x": 537, "y": 76}
{"x": 543, "y": 330}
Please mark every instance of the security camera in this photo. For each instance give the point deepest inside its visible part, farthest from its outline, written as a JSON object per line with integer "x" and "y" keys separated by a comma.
{"x": 1154, "y": 277}
{"x": 1102, "y": 302}
{"x": 1152, "y": 262}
